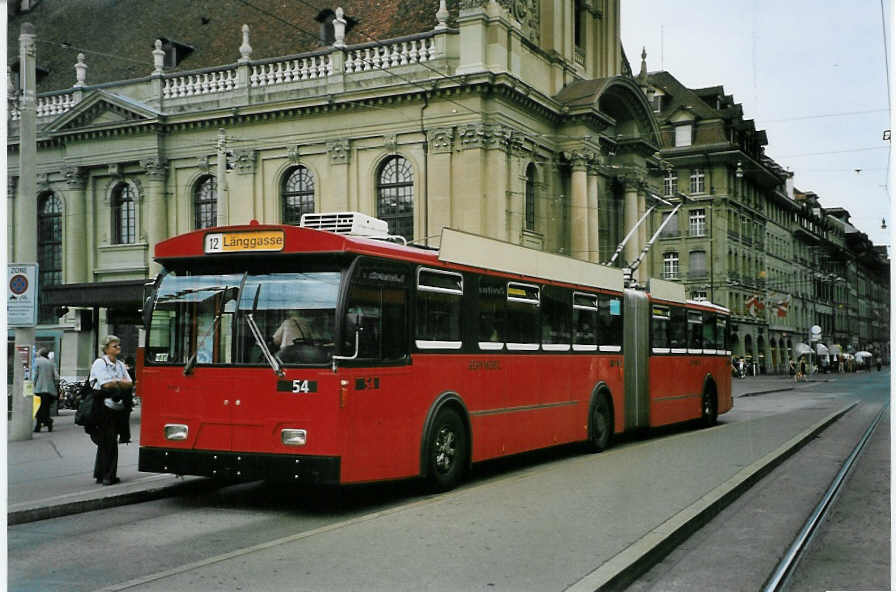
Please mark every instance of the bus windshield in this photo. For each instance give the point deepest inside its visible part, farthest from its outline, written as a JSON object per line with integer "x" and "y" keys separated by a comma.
{"x": 204, "y": 319}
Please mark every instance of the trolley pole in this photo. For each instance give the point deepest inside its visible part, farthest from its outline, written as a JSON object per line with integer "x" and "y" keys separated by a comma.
{"x": 25, "y": 230}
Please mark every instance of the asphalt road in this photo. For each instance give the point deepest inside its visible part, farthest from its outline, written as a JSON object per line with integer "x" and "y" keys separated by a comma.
{"x": 538, "y": 522}
{"x": 740, "y": 548}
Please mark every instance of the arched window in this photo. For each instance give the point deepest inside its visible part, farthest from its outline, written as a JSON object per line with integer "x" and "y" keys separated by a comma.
{"x": 123, "y": 214}
{"x": 49, "y": 249}
{"x": 395, "y": 196}
{"x": 205, "y": 203}
{"x": 297, "y": 195}
{"x": 530, "y": 197}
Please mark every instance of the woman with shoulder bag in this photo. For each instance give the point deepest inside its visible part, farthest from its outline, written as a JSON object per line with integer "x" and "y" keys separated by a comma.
{"x": 113, "y": 390}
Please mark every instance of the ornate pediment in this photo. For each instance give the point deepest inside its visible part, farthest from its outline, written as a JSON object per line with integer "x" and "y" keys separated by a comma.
{"x": 103, "y": 110}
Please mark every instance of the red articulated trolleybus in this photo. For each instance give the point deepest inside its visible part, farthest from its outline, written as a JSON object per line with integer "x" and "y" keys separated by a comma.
{"x": 309, "y": 355}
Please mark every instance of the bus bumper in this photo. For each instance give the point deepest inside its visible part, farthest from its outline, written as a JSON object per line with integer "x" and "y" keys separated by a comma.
{"x": 241, "y": 466}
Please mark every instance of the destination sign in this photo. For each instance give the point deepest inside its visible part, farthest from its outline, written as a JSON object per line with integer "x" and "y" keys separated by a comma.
{"x": 254, "y": 240}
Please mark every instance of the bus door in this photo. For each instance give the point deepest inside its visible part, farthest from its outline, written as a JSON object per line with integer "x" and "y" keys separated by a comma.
{"x": 189, "y": 335}
{"x": 381, "y": 395}
{"x": 635, "y": 352}
{"x": 293, "y": 314}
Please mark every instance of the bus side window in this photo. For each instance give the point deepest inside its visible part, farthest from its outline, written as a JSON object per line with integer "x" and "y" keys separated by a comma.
{"x": 722, "y": 332}
{"x": 678, "y": 328}
{"x": 439, "y": 299}
{"x": 709, "y": 331}
{"x": 585, "y": 321}
{"x": 659, "y": 328}
{"x": 610, "y": 313}
{"x": 523, "y": 302}
{"x": 555, "y": 318}
{"x": 492, "y": 302}
{"x": 695, "y": 329}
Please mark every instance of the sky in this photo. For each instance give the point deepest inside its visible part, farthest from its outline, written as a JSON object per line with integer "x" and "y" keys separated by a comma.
{"x": 811, "y": 73}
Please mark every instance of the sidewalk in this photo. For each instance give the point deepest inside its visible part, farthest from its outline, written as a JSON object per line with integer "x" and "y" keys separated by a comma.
{"x": 52, "y": 474}
{"x": 772, "y": 383}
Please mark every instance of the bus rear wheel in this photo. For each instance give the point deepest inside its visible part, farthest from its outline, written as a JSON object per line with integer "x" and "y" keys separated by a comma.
{"x": 601, "y": 433}
{"x": 446, "y": 451}
{"x": 710, "y": 411}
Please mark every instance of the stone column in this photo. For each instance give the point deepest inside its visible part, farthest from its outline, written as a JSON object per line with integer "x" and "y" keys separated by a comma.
{"x": 630, "y": 218}
{"x": 593, "y": 213}
{"x": 242, "y": 187}
{"x": 470, "y": 183}
{"x": 155, "y": 208}
{"x": 497, "y": 186}
{"x": 75, "y": 247}
{"x": 340, "y": 154}
{"x": 441, "y": 147}
{"x": 472, "y": 23}
{"x": 644, "y": 270}
{"x": 578, "y": 204}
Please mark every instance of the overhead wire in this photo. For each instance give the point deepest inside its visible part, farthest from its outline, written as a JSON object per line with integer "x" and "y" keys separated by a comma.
{"x": 66, "y": 45}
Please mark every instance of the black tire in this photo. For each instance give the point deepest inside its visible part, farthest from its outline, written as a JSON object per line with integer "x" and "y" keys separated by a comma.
{"x": 709, "y": 408}
{"x": 446, "y": 451}
{"x": 600, "y": 433}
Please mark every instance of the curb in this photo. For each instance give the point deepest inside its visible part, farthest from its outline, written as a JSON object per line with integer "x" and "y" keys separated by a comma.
{"x": 88, "y": 505}
{"x": 782, "y": 388}
{"x": 621, "y": 570}
{"x": 774, "y": 390}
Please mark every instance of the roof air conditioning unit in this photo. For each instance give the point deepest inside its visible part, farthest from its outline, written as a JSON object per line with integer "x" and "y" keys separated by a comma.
{"x": 351, "y": 223}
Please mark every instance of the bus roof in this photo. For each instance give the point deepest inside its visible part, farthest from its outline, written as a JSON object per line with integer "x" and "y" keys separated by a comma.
{"x": 458, "y": 249}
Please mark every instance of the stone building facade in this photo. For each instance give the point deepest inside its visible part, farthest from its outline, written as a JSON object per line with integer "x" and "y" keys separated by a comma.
{"x": 514, "y": 119}
{"x": 747, "y": 239}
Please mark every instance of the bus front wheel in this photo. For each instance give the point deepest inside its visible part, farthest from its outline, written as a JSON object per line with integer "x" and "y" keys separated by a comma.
{"x": 446, "y": 451}
{"x": 601, "y": 425}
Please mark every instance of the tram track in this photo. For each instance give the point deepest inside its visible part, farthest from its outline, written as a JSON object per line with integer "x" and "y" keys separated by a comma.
{"x": 781, "y": 576}
{"x": 811, "y": 521}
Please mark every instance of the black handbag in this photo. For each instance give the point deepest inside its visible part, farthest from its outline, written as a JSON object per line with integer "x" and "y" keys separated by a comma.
{"x": 88, "y": 411}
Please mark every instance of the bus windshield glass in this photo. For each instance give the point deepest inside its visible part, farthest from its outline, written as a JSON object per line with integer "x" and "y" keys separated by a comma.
{"x": 204, "y": 319}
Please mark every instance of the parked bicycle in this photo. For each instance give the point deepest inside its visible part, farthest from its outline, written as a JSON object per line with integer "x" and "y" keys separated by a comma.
{"x": 70, "y": 393}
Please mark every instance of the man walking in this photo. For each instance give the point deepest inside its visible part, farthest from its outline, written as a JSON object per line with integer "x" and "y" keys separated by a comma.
{"x": 45, "y": 378}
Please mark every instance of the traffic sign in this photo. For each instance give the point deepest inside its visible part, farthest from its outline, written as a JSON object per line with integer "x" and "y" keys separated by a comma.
{"x": 21, "y": 296}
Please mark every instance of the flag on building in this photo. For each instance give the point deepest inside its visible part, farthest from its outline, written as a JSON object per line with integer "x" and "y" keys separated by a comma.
{"x": 754, "y": 305}
{"x": 782, "y": 305}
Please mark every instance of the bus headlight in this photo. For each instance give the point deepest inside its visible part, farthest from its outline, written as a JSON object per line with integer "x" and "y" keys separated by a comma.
{"x": 176, "y": 431}
{"x": 292, "y": 437}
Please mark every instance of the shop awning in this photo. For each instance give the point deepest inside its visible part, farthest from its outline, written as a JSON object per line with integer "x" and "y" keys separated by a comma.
{"x": 801, "y": 349}
{"x": 115, "y": 294}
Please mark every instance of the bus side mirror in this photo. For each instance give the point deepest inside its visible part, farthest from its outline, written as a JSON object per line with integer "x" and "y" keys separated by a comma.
{"x": 147, "y": 312}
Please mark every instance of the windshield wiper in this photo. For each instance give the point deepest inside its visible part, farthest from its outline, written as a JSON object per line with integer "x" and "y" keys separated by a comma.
{"x": 272, "y": 360}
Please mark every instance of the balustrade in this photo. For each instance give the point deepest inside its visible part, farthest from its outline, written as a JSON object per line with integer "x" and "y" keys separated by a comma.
{"x": 268, "y": 73}
{"x": 199, "y": 83}
{"x": 384, "y": 56}
{"x": 52, "y": 105}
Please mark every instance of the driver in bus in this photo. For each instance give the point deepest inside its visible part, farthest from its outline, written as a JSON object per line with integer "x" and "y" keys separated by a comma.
{"x": 293, "y": 330}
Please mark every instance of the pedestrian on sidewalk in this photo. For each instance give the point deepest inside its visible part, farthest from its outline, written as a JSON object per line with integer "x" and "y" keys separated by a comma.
{"x": 113, "y": 387}
{"x": 45, "y": 379}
